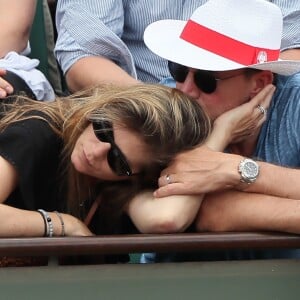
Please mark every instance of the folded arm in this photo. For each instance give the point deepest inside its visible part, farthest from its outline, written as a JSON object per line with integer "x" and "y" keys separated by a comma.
{"x": 163, "y": 215}
{"x": 210, "y": 171}
{"x": 238, "y": 211}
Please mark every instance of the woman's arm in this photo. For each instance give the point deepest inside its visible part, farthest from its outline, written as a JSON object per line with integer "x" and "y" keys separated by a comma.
{"x": 8, "y": 179}
{"x": 24, "y": 223}
{"x": 163, "y": 215}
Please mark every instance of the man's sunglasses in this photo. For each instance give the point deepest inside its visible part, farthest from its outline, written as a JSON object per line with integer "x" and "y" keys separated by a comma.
{"x": 115, "y": 157}
{"x": 206, "y": 81}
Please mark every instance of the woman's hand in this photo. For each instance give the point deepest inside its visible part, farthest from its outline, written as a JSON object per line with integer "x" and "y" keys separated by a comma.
{"x": 241, "y": 122}
{"x": 75, "y": 227}
{"x": 5, "y": 88}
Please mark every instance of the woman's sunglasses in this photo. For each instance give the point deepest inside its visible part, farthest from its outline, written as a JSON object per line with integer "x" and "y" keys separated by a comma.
{"x": 204, "y": 80}
{"x": 115, "y": 157}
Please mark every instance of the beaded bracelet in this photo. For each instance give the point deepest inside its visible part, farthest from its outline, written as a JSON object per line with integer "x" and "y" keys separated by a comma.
{"x": 45, "y": 223}
{"x": 61, "y": 222}
{"x": 48, "y": 223}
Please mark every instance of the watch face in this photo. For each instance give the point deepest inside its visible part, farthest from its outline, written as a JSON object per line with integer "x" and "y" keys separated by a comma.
{"x": 250, "y": 169}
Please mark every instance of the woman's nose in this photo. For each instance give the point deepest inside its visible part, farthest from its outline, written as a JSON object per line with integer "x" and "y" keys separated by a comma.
{"x": 100, "y": 150}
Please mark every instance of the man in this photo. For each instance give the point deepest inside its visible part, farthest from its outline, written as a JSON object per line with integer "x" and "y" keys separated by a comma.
{"x": 102, "y": 41}
{"x": 223, "y": 56}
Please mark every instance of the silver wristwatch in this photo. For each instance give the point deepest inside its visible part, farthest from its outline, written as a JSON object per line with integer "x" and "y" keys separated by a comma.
{"x": 249, "y": 170}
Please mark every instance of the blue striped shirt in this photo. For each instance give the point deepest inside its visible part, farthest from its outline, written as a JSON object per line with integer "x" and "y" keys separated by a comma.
{"x": 114, "y": 29}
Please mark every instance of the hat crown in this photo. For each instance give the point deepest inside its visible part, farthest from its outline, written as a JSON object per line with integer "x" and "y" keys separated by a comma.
{"x": 257, "y": 23}
{"x": 224, "y": 35}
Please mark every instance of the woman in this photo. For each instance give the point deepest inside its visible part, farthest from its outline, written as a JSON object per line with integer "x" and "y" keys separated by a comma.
{"x": 110, "y": 140}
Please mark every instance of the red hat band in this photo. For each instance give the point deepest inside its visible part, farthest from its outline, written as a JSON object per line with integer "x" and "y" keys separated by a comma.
{"x": 225, "y": 46}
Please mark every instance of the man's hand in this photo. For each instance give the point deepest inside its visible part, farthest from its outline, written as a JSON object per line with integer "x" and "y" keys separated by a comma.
{"x": 199, "y": 171}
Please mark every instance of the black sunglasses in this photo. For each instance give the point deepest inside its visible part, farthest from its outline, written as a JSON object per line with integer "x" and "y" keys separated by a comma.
{"x": 115, "y": 157}
{"x": 204, "y": 80}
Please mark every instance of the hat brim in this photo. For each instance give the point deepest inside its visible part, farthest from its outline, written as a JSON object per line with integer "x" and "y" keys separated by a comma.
{"x": 163, "y": 38}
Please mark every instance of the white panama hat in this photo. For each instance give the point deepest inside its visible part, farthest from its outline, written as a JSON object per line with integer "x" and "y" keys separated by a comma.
{"x": 224, "y": 35}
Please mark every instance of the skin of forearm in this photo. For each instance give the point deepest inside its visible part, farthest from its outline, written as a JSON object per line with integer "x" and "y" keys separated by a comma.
{"x": 238, "y": 211}
{"x": 25, "y": 223}
{"x": 20, "y": 223}
{"x": 94, "y": 70}
{"x": 16, "y": 19}
{"x": 218, "y": 139}
{"x": 163, "y": 215}
{"x": 8, "y": 179}
{"x": 17, "y": 45}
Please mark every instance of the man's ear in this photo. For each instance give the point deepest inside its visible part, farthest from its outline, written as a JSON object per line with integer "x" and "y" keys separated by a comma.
{"x": 260, "y": 80}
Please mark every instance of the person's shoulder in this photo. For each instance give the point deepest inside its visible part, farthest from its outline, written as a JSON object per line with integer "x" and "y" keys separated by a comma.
{"x": 288, "y": 81}
{"x": 287, "y": 95}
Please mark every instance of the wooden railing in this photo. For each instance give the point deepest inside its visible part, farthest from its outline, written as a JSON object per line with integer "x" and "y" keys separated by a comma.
{"x": 137, "y": 243}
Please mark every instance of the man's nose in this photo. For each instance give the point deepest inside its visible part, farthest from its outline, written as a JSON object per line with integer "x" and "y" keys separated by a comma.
{"x": 189, "y": 87}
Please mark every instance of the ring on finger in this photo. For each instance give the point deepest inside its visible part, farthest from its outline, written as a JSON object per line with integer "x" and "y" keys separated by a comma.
{"x": 262, "y": 109}
{"x": 168, "y": 178}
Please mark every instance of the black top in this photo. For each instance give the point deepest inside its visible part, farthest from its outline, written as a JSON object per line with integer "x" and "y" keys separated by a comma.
{"x": 34, "y": 150}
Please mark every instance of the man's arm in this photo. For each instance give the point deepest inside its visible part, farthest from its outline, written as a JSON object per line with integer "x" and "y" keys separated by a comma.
{"x": 95, "y": 70}
{"x": 239, "y": 211}
{"x": 290, "y": 54}
{"x": 16, "y": 18}
{"x": 203, "y": 171}
{"x": 93, "y": 53}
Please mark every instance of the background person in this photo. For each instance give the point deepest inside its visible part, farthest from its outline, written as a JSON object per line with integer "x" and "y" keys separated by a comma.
{"x": 102, "y": 41}
{"x": 19, "y": 73}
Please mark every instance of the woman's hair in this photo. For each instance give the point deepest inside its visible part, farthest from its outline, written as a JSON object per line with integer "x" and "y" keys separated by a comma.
{"x": 167, "y": 120}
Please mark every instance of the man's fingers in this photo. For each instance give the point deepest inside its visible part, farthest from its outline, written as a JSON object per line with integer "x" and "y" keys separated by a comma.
{"x": 166, "y": 179}
{"x": 171, "y": 189}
